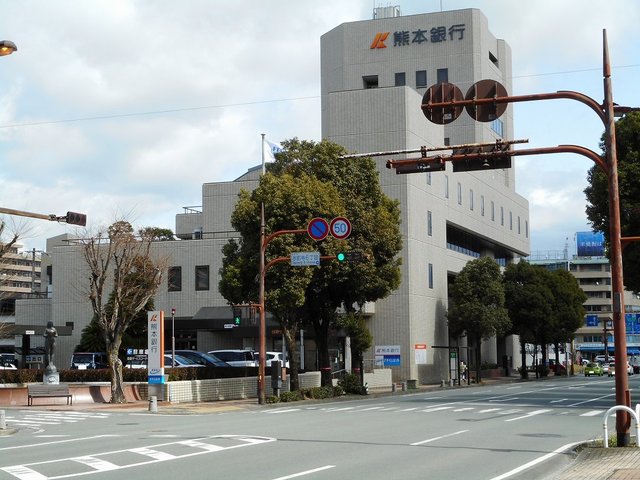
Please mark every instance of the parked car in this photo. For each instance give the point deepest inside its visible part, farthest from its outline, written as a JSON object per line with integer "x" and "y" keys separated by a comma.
{"x": 89, "y": 360}
{"x": 604, "y": 359}
{"x": 605, "y": 367}
{"x": 202, "y": 358}
{"x": 6, "y": 364}
{"x": 557, "y": 368}
{"x": 593, "y": 368}
{"x": 237, "y": 358}
{"x": 275, "y": 356}
{"x": 181, "y": 361}
{"x": 9, "y": 357}
{"x": 612, "y": 369}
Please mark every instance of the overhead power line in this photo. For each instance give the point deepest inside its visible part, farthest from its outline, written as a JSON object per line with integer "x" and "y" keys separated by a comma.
{"x": 242, "y": 104}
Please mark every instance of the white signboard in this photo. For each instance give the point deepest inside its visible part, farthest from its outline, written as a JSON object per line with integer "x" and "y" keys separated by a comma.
{"x": 155, "y": 358}
{"x": 420, "y": 353}
{"x": 305, "y": 259}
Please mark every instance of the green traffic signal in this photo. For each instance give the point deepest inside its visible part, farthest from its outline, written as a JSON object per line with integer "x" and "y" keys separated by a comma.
{"x": 237, "y": 316}
{"x": 341, "y": 256}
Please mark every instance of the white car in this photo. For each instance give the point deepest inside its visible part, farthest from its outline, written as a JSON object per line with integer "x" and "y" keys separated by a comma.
{"x": 6, "y": 365}
{"x": 612, "y": 369}
{"x": 276, "y": 356}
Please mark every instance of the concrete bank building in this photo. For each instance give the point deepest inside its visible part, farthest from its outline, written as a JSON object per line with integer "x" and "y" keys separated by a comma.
{"x": 374, "y": 75}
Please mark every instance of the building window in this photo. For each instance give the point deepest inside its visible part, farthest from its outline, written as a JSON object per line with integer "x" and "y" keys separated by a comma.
{"x": 428, "y": 178}
{"x": 447, "y": 141}
{"x": 202, "y": 277}
{"x": 459, "y": 193}
{"x": 526, "y": 228}
{"x": 401, "y": 79}
{"x": 519, "y": 229}
{"x": 174, "y": 279}
{"x": 498, "y": 127}
{"x": 421, "y": 79}
{"x": 493, "y": 59}
{"x": 429, "y": 223}
{"x": 482, "y": 205}
{"x": 431, "y": 275}
{"x": 443, "y": 75}
{"x": 370, "y": 81}
{"x": 493, "y": 211}
{"x": 502, "y": 216}
{"x": 470, "y": 199}
{"x": 510, "y": 220}
{"x": 446, "y": 186}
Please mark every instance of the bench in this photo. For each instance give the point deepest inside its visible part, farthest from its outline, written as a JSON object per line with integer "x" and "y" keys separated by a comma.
{"x": 48, "y": 391}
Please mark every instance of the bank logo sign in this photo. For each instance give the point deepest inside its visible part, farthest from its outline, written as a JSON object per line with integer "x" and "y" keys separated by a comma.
{"x": 408, "y": 37}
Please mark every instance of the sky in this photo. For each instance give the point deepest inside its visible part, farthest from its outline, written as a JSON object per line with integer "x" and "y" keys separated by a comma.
{"x": 124, "y": 108}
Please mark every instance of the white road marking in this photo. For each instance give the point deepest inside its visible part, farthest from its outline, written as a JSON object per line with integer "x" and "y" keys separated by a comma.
{"x": 438, "y": 438}
{"x": 157, "y": 454}
{"x": 559, "y": 400}
{"x": 530, "y": 414}
{"x": 205, "y": 446}
{"x": 338, "y": 409}
{"x": 592, "y": 413}
{"x": 541, "y": 459}
{"x": 283, "y": 410}
{"x": 464, "y": 409}
{"x": 96, "y": 463}
{"x": 510, "y": 399}
{"x": 591, "y": 400}
{"x": 510, "y": 411}
{"x": 408, "y": 409}
{"x": 436, "y": 409}
{"x": 24, "y": 473}
{"x": 370, "y": 408}
{"x": 80, "y": 439}
{"x": 487, "y": 410}
{"x": 307, "y": 472}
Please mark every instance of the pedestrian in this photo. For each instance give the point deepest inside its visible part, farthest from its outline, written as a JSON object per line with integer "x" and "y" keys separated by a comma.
{"x": 463, "y": 371}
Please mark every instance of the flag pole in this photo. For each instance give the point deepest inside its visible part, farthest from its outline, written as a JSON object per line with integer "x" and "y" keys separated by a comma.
{"x": 262, "y": 360}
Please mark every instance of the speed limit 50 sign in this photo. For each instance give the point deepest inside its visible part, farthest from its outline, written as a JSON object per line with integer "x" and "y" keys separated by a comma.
{"x": 340, "y": 228}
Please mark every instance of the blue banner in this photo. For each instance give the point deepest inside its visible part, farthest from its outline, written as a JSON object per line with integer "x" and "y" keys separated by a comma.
{"x": 590, "y": 244}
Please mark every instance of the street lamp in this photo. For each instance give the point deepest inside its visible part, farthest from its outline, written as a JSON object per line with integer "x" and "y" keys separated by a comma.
{"x": 7, "y": 47}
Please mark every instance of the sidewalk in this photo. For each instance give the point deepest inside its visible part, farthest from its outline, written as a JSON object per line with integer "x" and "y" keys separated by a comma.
{"x": 604, "y": 464}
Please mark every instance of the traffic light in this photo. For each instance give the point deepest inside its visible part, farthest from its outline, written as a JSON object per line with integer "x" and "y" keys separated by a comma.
{"x": 349, "y": 256}
{"x": 74, "y": 218}
{"x": 237, "y": 316}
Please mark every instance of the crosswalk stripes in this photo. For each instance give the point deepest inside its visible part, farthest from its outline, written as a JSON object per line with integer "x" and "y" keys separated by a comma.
{"x": 505, "y": 411}
{"x": 43, "y": 418}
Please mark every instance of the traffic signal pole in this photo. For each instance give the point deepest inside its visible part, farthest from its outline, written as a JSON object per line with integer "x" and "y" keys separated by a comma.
{"x": 447, "y": 108}
{"x": 71, "y": 217}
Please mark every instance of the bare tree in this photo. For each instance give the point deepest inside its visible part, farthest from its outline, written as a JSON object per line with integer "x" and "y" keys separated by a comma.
{"x": 123, "y": 270}
{"x": 8, "y": 241}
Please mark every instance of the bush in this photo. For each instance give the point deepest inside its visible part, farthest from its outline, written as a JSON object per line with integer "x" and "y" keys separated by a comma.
{"x": 272, "y": 399}
{"x": 291, "y": 396}
{"x": 351, "y": 384}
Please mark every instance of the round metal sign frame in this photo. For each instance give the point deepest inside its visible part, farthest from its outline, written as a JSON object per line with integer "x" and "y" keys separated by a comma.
{"x": 486, "y": 112}
{"x": 318, "y": 228}
{"x": 441, "y": 93}
{"x": 340, "y": 228}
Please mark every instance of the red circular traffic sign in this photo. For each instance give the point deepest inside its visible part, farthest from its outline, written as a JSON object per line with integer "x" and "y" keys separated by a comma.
{"x": 318, "y": 228}
{"x": 340, "y": 228}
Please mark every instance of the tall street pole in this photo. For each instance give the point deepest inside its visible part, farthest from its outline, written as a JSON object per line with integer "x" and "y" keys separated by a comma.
{"x": 623, "y": 397}
{"x": 262, "y": 360}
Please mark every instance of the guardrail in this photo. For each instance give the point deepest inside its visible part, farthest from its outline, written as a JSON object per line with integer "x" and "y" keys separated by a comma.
{"x": 635, "y": 414}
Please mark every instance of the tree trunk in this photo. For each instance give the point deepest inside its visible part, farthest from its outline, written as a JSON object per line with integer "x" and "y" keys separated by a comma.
{"x": 115, "y": 366}
{"x": 290, "y": 335}
{"x": 356, "y": 363}
{"x": 478, "y": 343}
{"x": 321, "y": 328}
{"x": 524, "y": 374}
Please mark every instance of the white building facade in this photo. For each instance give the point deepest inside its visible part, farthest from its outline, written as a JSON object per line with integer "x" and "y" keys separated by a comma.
{"x": 374, "y": 74}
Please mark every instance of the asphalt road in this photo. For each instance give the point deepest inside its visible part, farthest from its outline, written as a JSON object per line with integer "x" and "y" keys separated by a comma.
{"x": 493, "y": 432}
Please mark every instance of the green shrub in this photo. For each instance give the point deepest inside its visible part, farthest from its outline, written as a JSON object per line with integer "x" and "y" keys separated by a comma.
{"x": 350, "y": 383}
{"x": 319, "y": 392}
{"x": 294, "y": 396}
{"x": 272, "y": 399}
